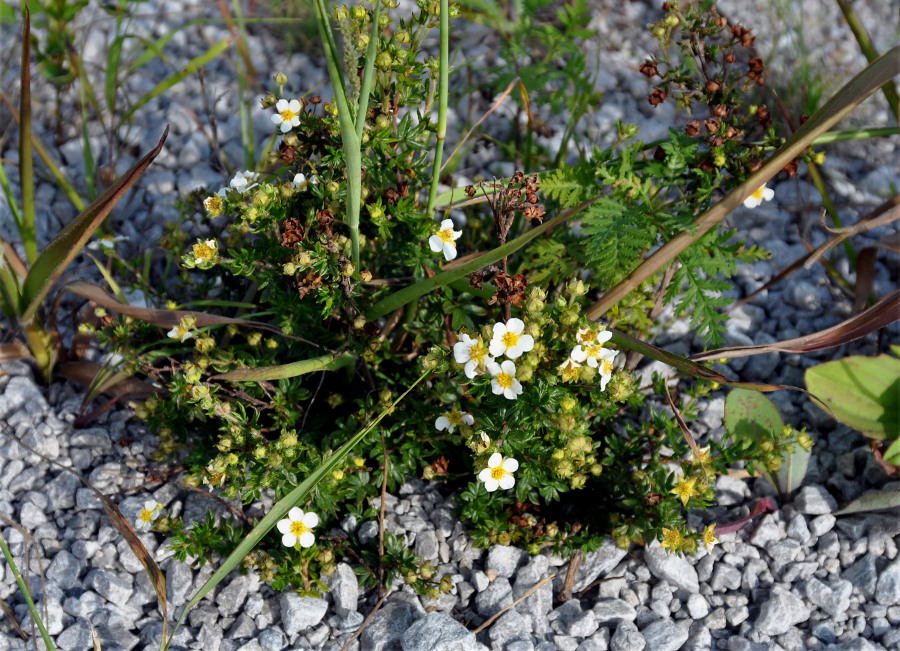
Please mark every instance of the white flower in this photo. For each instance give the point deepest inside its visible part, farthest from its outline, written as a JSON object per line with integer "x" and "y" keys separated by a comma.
{"x": 762, "y": 194}
{"x": 590, "y": 336}
{"x": 499, "y": 472}
{"x": 510, "y": 340}
{"x": 452, "y": 419}
{"x": 570, "y": 370}
{"x": 106, "y": 242}
{"x": 288, "y": 115}
{"x": 244, "y": 181}
{"x": 205, "y": 253}
{"x": 504, "y": 381}
{"x": 180, "y": 332}
{"x": 445, "y": 240}
{"x": 472, "y": 353}
{"x": 148, "y": 515}
{"x": 297, "y": 527}
{"x": 605, "y": 358}
{"x": 592, "y": 353}
{"x": 299, "y": 182}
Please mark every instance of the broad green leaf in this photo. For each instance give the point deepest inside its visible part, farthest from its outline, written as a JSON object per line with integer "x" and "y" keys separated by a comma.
{"x": 863, "y": 393}
{"x": 751, "y": 415}
{"x": 892, "y": 454}
{"x": 793, "y": 470}
{"x": 887, "y": 499}
{"x": 280, "y": 509}
{"x": 53, "y": 260}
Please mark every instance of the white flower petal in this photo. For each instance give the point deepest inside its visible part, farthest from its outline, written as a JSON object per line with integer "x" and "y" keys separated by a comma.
{"x": 285, "y": 126}
{"x": 284, "y": 526}
{"x": 310, "y": 519}
{"x": 491, "y": 484}
{"x": 510, "y": 464}
{"x": 497, "y": 347}
{"x": 289, "y": 540}
{"x": 449, "y": 250}
{"x": 307, "y": 539}
{"x": 447, "y": 225}
{"x": 436, "y": 243}
{"x": 496, "y": 388}
{"x": 604, "y": 336}
{"x": 282, "y": 105}
{"x": 495, "y": 460}
{"x": 578, "y": 353}
{"x": 295, "y": 514}
{"x": 516, "y": 326}
{"x": 485, "y": 474}
{"x": 499, "y": 331}
{"x": 509, "y": 368}
{"x": 468, "y": 419}
{"x": 442, "y": 423}
{"x": 768, "y": 194}
{"x": 526, "y": 343}
{"x": 469, "y": 369}
{"x": 277, "y": 119}
{"x": 507, "y": 481}
{"x": 294, "y": 105}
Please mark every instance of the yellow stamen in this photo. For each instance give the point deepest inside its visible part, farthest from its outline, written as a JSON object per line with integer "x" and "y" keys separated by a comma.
{"x": 287, "y": 115}
{"x": 146, "y": 515}
{"x": 505, "y": 380}
{"x": 446, "y": 236}
{"x": 298, "y": 528}
{"x": 607, "y": 367}
{"x": 454, "y": 417}
{"x": 499, "y": 472}
{"x": 510, "y": 339}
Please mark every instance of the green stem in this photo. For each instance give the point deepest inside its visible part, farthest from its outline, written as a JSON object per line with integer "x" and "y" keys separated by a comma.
{"x": 26, "y": 593}
{"x": 819, "y": 182}
{"x": 26, "y": 160}
{"x": 443, "y": 86}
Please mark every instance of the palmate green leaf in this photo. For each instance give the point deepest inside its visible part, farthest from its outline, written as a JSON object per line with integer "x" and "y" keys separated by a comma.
{"x": 281, "y": 508}
{"x": 863, "y": 392}
{"x": 53, "y": 260}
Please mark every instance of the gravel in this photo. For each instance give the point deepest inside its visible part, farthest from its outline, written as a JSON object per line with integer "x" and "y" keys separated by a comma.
{"x": 799, "y": 578}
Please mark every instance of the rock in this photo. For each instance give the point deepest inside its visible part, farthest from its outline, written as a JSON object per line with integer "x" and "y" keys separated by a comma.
{"x": 781, "y": 611}
{"x": 496, "y": 597}
{"x": 594, "y": 565}
{"x": 504, "y": 559}
{"x": 731, "y": 491}
{"x": 438, "y": 632}
{"x": 75, "y": 638}
{"x": 833, "y": 598}
{"x": 300, "y": 613}
{"x": 887, "y": 590}
{"x": 697, "y": 606}
{"x": 387, "y": 627}
{"x": 427, "y": 545}
{"x": 664, "y": 635}
{"x": 65, "y": 568}
{"x": 230, "y": 598}
{"x": 179, "y": 578}
{"x": 724, "y": 578}
{"x": 613, "y": 612}
{"x": 627, "y": 638}
{"x": 677, "y": 571}
{"x": 814, "y": 500}
{"x": 114, "y": 587}
{"x": 511, "y": 626}
{"x": 798, "y": 529}
{"x": 539, "y": 603}
{"x": 344, "y": 587}
{"x": 822, "y": 524}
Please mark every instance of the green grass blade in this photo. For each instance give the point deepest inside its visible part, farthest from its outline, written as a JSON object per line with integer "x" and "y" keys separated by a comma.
{"x": 855, "y": 134}
{"x": 26, "y": 160}
{"x": 280, "y": 509}
{"x": 189, "y": 69}
{"x": 89, "y": 166}
{"x": 411, "y": 293}
{"x": 283, "y": 371}
{"x": 10, "y": 198}
{"x": 25, "y": 592}
{"x": 443, "y": 91}
{"x": 65, "y": 246}
{"x": 113, "y": 61}
{"x": 845, "y": 100}
{"x": 368, "y": 72}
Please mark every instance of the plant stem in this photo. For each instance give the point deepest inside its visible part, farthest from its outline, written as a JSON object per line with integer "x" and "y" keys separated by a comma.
{"x": 26, "y": 160}
{"x": 25, "y": 592}
{"x": 443, "y": 86}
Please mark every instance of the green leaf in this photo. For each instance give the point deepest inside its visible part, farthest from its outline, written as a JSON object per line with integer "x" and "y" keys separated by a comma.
{"x": 863, "y": 393}
{"x": 323, "y": 363}
{"x": 888, "y": 499}
{"x": 53, "y": 260}
{"x": 892, "y": 454}
{"x": 793, "y": 470}
{"x": 751, "y": 415}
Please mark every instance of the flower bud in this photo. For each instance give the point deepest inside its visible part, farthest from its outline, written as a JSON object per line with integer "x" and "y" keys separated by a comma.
{"x": 332, "y": 187}
{"x": 568, "y": 403}
{"x": 365, "y": 275}
{"x": 402, "y": 36}
{"x": 281, "y": 79}
{"x": 569, "y": 317}
{"x": 382, "y": 122}
{"x": 672, "y": 20}
{"x": 341, "y": 13}
{"x": 383, "y": 60}
{"x": 268, "y": 100}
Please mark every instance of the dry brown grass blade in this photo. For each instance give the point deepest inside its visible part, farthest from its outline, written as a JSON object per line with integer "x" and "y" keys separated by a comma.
{"x": 11, "y": 616}
{"x": 13, "y": 260}
{"x": 882, "y": 314}
{"x": 865, "y": 268}
{"x": 364, "y": 624}
{"x": 884, "y": 214}
{"x": 14, "y": 350}
{"x": 569, "y": 583}
{"x": 685, "y": 430}
{"x": 119, "y": 385}
{"x": 159, "y": 318}
{"x": 537, "y": 586}
{"x": 123, "y": 527}
{"x": 493, "y": 108}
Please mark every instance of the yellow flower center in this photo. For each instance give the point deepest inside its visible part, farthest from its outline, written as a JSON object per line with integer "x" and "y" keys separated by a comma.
{"x": 510, "y": 339}
{"x": 607, "y": 367}
{"x": 587, "y": 336}
{"x": 505, "y": 380}
{"x": 446, "y": 236}
{"x": 454, "y": 417}
{"x": 146, "y": 515}
{"x": 203, "y": 252}
{"x": 758, "y": 195}
{"x": 213, "y": 203}
{"x": 478, "y": 352}
{"x": 499, "y": 472}
{"x": 287, "y": 115}
{"x": 298, "y": 528}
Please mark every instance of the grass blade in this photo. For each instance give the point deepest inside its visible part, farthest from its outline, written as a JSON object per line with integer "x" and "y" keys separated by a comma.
{"x": 443, "y": 88}
{"x": 411, "y": 293}
{"x": 280, "y": 509}
{"x": 886, "y": 499}
{"x": 59, "y": 253}
{"x": 189, "y": 69}
{"x": 25, "y": 592}
{"x": 26, "y": 160}
{"x": 855, "y": 91}
{"x": 283, "y": 371}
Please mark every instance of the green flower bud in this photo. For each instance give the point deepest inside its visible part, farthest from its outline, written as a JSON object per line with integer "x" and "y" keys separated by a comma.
{"x": 281, "y": 79}
{"x": 383, "y": 60}
{"x": 268, "y": 100}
